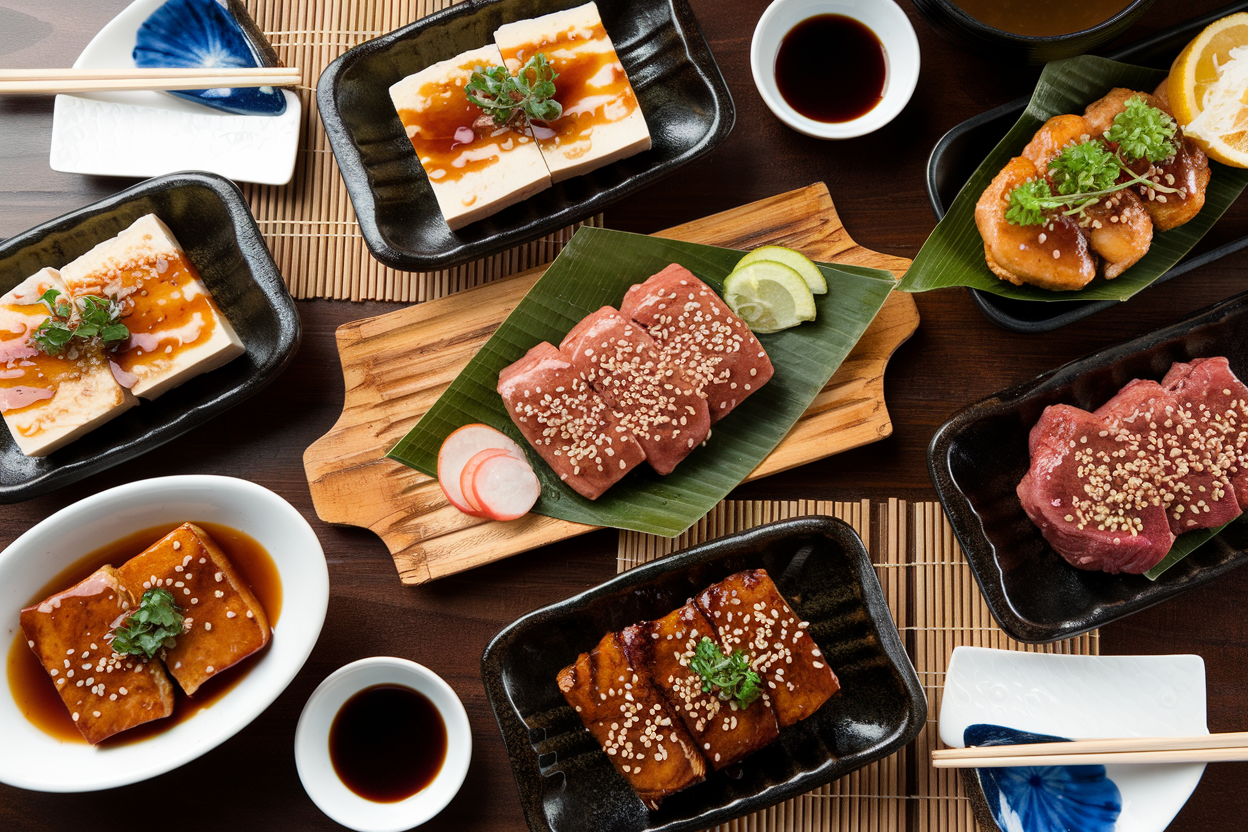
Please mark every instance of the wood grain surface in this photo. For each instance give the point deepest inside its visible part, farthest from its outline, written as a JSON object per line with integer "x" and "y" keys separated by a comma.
{"x": 397, "y": 365}
{"x": 955, "y": 358}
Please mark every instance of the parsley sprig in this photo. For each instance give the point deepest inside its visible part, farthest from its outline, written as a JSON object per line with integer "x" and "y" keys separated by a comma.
{"x": 152, "y": 626}
{"x": 729, "y": 677}
{"x": 505, "y": 97}
{"x": 98, "y": 319}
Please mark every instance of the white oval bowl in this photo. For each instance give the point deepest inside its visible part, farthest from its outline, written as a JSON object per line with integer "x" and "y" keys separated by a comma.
{"x": 316, "y": 771}
{"x": 883, "y": 17}
{"x": 34, "y": 760}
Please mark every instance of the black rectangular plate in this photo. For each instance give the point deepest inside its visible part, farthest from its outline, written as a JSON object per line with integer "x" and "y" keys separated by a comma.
{"x": 679, "y": 87}
{"x": 566, "y": 782}
{"x": 979, "y": 456}
{"x": 211, "y": 220}
{"x": 960, "y": 151}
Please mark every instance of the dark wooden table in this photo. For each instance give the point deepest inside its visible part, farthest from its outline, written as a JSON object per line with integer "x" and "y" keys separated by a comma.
{"x": 955, "y": 358}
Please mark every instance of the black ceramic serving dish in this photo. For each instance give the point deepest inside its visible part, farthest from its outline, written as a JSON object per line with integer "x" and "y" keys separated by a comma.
{"x": 679, "y": 87}
{"x": 566, "y": 782}
{"x": 974, "y": 36}
{"x": 211, "y": 220}
{"x": 960, "y": 151}
{"x": 977, "y": 458}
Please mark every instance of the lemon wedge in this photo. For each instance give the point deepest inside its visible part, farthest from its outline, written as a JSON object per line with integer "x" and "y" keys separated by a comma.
{"x": 795, "y": 260}
{"x": 1207, "y": 87}
{"x": 769, "y": 296}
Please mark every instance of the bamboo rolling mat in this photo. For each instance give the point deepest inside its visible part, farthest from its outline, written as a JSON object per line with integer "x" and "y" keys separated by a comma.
{"x": 937, "y": 606}
{"x": 309, "y": 224}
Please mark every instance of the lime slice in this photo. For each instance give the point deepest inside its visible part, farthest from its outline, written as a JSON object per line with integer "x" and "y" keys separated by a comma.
{"x": 769, "y": 296}
{"x": 795, "y": 260}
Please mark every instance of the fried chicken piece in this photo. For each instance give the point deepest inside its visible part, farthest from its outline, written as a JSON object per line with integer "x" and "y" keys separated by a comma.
{"x": 1056, "y": 135}
{"x": 1120, "y": 231}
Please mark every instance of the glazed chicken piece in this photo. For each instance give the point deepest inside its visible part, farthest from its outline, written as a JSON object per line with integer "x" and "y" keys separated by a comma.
{"x": 1053, "y": 256}
{"x": 1055, "y": 136}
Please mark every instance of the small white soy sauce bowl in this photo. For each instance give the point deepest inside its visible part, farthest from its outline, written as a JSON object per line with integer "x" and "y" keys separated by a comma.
{"x": 885, "y": 20}
{"x": 316, "y": 767}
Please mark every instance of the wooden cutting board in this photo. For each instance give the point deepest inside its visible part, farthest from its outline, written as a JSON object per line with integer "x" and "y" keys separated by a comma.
{"x": 397, "y": 365}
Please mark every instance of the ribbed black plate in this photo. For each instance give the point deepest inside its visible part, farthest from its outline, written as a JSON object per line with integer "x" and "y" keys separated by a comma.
{"x": 960, "y": 151}
{"x": 211, "y": 220}
{"x": 566, "y": 782}
{"x": 679, "y": 87}
{"x": 977, "y": 458}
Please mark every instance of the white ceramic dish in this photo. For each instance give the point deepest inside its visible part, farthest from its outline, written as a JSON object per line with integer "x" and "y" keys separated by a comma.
{"x": 1086, "y": 697}
{"x": 883, "y": 17}
{"x": 152, "y": 133}
{"x": 316, "y": 772}
{"x": 31, "y": 759}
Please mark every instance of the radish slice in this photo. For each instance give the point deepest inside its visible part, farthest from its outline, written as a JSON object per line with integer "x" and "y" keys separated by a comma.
{"x": 460, "y": 447}
{"x": 505, "y": 486}
{"x": 470, "y": 471}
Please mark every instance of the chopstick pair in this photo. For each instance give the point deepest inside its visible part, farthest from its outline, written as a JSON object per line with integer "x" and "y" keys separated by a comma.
{"x": 45, "y": 81}
{"x": 1210, "y": 748}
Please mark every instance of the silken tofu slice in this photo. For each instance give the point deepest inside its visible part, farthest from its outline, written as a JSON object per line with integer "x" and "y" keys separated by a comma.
{"x": 176, "y": 329}
{"x": 474, "y": 171}
{"x": 698, "y": 333}
{"x": 49, "y": 401}
{"x": 602, "y": 121}
{"x": 569, "y": 424}
{"x": 224, "y": 621}
{"x": 105, "y": 692}
{"x": 641, "y": 736}
{"x": 725, "y": 733}
{"x": 654, "y": 399}
{"x": 750, "y": 614}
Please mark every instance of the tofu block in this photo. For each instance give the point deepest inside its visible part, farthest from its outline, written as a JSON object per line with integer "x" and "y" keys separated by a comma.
{"x": 49, "y": 401}
{"x": 566, "y": 422}
{"x": 643, "y": 739}
{"x": 475, "y": 168}
{"x": 224, "y": 623}
{"x": 724, "y": 732}
{"x": 105, "y": 693}
{"x": 176, "y": 329}
{"x": 750, "y": 614}
{"x": 602, "y": 121}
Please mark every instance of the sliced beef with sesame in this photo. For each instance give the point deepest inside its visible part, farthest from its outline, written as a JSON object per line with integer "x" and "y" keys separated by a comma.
{"x": 570, "y": 425}
{"x": 655, "y": 400}
{"x": 750, "y": 614}
{"x": 724, "y": 732}
{"x": 1211, "y": 394}
{"x": 698, "y": 333}
{"x": 628, "y": 717}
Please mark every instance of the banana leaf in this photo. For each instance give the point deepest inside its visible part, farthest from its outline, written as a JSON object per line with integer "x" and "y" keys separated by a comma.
{"x": 954, "y": 253}
{"x": 1183, "y": 546}
{"x": 595, "y": 270}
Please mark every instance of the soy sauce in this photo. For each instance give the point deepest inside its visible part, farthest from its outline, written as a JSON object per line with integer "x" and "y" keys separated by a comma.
{"x": 387, "y": 743}
{"x": 831, "y": 68}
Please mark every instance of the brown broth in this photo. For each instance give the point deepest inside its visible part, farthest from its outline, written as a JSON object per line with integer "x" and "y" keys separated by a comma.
{"x": 1036, "y": 19}
{"x": 387, "y": 743}
{"x": 36, "y": 695}
{"x": 831, "y": 68}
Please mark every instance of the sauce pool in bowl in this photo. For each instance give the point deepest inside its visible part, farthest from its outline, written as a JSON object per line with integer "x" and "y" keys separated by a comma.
{"x": 387, "y": 743}
{"x": 831, "y": 68}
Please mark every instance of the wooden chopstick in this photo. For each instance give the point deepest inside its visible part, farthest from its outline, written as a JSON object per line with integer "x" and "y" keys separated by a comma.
{"x": 1125, "y": 751}
{"x": 32, "y": 81}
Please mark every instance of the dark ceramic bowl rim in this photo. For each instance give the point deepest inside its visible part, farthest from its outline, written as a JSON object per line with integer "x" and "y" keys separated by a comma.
{"x": 855, "y": 552}
{"x": 262, "y": 270}
{"x": 356, "y": 177}
{"x": 966, "y": 20}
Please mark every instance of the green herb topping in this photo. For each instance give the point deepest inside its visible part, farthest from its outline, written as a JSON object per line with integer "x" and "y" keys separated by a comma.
{"x": 1085, "y": 167}
{"x": 729, "y": 677}
{"x": 529, "y": 93}
{"x": 152, "y": 626}
{"x": 1143, "y": 132}
{"x": 1027, "y": 203}
{"x": 98, "y": 319}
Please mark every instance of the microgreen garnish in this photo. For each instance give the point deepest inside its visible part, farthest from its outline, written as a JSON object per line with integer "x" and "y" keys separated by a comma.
{"x": 1143, "y": 132}
{"x": 729, "y": 677}
{"x": 504, "y": 97}
{"x": 98, "y": 318}
{"x": 1084, "y": 167}
{"x": 152, "y": 626}
{"x": 1026, "y": 203}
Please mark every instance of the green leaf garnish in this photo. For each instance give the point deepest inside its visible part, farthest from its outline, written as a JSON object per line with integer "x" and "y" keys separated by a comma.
{"x": 1026, "y": 206}
{"x": 154, "y": 625}
{"x": 1084, "y": 167}
{"x": 98, "y": 319}
{"x": 729, "y": 677}
{"x": 1143, "y": 132}
{"x": 505, "y": 97}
